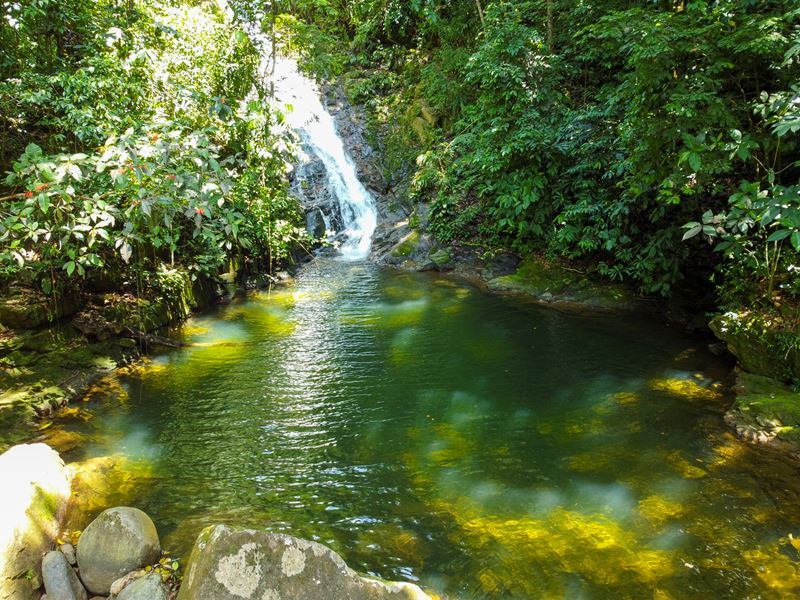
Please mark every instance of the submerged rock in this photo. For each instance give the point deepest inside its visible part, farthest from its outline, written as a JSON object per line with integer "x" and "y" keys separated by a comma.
{"x": 60, "y": 580}
{"x": 118, "y": 541}
{"x": 238, "y": 564}
{"x": 35, "y": 489}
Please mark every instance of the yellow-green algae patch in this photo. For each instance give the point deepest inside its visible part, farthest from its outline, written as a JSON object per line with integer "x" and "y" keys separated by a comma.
{"x": 658, "y": 510}
{"x": 595, "y": 547}
{"x": 686, "y": 388}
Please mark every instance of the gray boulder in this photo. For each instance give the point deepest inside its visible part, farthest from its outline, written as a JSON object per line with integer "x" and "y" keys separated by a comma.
{"x": 149, "y": 587}
{"x": 60, "y": 581}
{"x": 118, "y": 541}
{"x": 239, "y": 564}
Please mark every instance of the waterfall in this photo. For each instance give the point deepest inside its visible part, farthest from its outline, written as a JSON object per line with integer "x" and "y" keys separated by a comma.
{"x": 317, "y": 131}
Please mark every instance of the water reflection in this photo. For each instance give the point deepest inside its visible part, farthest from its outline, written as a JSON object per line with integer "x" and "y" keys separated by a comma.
{"x": 484, "y": 447}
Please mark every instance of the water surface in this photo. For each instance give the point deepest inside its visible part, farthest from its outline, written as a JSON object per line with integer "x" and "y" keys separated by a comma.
{"x": 481, "y": 446}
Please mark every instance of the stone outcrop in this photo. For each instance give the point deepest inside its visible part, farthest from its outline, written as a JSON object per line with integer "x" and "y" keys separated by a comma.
{"x": 118, "y": 541}
{"x": 238, "y": 564}
{"x": 35, "y": 490}
{"x": 762, "y": 346}
{"x": 27, "y": 309}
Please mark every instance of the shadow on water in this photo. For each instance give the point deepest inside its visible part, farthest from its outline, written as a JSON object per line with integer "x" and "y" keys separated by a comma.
{"x": 482, "y": 446}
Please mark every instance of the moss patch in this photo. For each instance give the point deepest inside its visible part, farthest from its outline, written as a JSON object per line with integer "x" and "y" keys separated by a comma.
{"x": 766, "y": 411}
{"x": 407, "y": 246}
{"x": 552, "y": 282}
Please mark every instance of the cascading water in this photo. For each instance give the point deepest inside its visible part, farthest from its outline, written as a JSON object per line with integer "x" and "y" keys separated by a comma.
{"x": 317, "y": 130}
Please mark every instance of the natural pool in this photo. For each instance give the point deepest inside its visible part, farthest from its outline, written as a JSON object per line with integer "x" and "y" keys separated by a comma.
{"x": 481, "y": 446}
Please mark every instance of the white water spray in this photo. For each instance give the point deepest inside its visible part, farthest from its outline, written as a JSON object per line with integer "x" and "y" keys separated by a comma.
{"x": 317, "y": 131}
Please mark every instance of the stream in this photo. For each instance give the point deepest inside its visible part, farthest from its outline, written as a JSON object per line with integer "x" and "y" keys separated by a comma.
{"x": 481, "y": 446}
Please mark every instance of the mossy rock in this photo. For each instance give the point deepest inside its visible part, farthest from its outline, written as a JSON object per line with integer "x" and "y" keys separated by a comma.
{"x": 763, "y": 346}
{"x": 551, "y": 282}
{"x": 408, "y": 246}
{"x": 443, "y": 259}
{"x": 27, "y": 309}
{"x": 766, "y": 411}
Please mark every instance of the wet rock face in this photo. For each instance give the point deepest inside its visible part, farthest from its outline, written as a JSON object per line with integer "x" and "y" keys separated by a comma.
{"x": 60, "y": 581}
{"x": 118, "y": 541}
{"x": 311, "y": 186}
{"x": 237, "y": 564}
{"x": 35, "y": 489}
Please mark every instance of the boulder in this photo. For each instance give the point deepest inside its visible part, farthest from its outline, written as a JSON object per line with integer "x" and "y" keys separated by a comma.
{"x": 36, "y": 488}
{"x": 239, "y": 564}
{"x": 68, "y": 550}
{"x": 60, "y": 581}
{"x": 149, "y": 587}
{"x": 118, "y": 541}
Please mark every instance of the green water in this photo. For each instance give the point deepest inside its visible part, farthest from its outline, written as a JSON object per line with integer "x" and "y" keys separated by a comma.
{"x": 480, "y": 446}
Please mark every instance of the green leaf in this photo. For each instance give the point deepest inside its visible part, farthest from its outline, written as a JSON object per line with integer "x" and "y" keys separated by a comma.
{"x": 692, "y": 232}
{"x": 779, "y": 235}
{"x": 695, "y": 161}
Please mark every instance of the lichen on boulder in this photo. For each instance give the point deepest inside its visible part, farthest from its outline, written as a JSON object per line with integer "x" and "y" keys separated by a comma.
{"x": 239, "y": 564}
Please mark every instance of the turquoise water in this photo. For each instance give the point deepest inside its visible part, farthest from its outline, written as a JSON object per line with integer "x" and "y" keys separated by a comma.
{"x": 481, "y": 446}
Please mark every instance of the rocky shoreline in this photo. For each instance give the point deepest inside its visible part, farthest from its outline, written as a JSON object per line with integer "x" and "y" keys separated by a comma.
{"x": 118, "y": 556}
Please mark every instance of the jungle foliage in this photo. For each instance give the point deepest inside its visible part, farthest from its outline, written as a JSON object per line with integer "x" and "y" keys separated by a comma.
{"x": 650, "y": 139}
{"x": 137, "y": 137}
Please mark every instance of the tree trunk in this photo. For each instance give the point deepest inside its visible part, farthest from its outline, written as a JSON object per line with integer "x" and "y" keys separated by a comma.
{"x": 480, "y": 14}
{"x": 274, "y": 57}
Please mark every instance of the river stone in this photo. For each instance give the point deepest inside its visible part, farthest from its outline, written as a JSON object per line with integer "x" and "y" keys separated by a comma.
{"x": 35, "y": 489}
{"x": 68, "y": 550}
{"x": 60, "y": 580}
{"x": 149, "y": 587}
{"x": 118, "y": 541}
{"x": 240, "y": 564}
